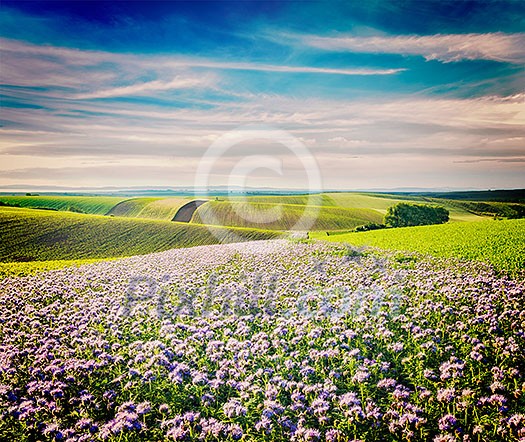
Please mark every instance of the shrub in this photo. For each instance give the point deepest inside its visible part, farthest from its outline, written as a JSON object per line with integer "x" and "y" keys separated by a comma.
{"x": 405, "y": 214}
{"x": 371, "y": 226}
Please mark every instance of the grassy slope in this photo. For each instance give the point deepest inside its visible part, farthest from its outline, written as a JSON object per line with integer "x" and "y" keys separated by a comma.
{"x": 382, "y": 202}
{"x": 39, "y": 235}
{"x": 150, "y": 207}
{"x": 165, "y": 208}
{"x": 312, "y": 200}
{"x": 363, "y": 201}
{"x": 97, "y": 205}
{"x": 253, "y": 215}
{"x": 486, "y": 208}
{"x": 501, "y": 243}
{"x": 131, "y": 207}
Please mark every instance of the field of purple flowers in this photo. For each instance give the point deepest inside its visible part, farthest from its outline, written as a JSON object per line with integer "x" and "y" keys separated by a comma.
{"x": 263, "y": 341}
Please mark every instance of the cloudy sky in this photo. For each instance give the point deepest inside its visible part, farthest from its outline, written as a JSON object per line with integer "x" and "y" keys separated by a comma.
{"x": 380, "y": 94}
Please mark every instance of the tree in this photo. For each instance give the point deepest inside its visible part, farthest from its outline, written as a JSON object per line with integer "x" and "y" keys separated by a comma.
{"x": 405, "y": 214}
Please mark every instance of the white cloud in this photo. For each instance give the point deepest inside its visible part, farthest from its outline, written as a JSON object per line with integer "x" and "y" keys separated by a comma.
{"x": 178, "y": 82}
{"x": 444, "y": 47}
{"x": 98, "y": 74}
{"x": 284, "y": 68}
{"x": 64, "y": 132}
{"x": 342, "y": 141}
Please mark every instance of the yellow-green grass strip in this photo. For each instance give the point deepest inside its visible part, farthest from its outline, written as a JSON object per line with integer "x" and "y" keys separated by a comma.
{"x": 96, "y": 205}
{"x": 501, "y": 243}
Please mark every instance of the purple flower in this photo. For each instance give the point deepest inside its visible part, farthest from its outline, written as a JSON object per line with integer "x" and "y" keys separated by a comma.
{"x": 234, "y": 408}
{"x": 447, "y": 422}
{"x": 446, "y": 394}
{"x": 387, "y": 383}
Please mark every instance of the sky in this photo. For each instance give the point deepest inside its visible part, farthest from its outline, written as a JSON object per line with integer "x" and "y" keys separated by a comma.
{"x": 377, "y": 94}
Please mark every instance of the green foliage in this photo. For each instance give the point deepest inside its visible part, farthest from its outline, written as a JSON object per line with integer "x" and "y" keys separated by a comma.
{"x": 405, "y": 214}
{"x": 501, "y": 243}
{"x": 371, "y": 226}
{"x": 41, "y": 235}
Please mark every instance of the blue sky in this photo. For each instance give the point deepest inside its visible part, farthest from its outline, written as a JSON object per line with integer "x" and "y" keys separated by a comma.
{"x": 381, "y": 94}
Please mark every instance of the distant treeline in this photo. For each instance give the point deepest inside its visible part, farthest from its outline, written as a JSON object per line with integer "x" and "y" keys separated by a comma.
{"x": 488, "y": 208}
{"x": 504, "y": 196}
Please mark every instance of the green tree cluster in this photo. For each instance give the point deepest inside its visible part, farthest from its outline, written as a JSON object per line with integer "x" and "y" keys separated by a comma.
{"x": 405, "y": 214}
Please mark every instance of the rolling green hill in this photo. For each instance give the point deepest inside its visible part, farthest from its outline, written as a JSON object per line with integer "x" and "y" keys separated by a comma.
{"x": 381, "y": 202}
{"x": 151, "y": 208}
{"x": 485, "y": 208}
{"x": 285, "y": 216}
{"x": 363, "y": 201}
{"x": 501, "y": 243}
{"x": 164, "y": 208}
{"x": 319, "y": 199}
{"x": 96, "y": 205}
{"x": 131, "y": 207}
{"x": 40, "y": 235}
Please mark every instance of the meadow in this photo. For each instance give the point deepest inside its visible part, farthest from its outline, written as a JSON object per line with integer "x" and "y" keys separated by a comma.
{"x": 501, "y": 243}
{"x": 263, "y": 341}
{"x": 121, "y": 328}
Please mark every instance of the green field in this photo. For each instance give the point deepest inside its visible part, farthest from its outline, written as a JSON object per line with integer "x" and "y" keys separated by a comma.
{"x": 33, "y": 267}
{"x": 148, "y": 207}
{"x": 292, "y": 216}
{"x": 364, "y": 201}
{"x": 96, "y": 205}
{"x": 501, "y": 243}
{"x": 130, "y": 207}
{"x": 381, "y": 202}
{"x": 483, "y": 208}
{"x": 41, "y": 235}
{"x": 163, "y": 208}
{"x": 319, "y": 199}
{"x": 151, "y": 208}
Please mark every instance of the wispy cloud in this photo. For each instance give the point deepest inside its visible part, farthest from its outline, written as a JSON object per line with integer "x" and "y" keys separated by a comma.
{"x": 431, "y": 127}
{"x": 283, "y": 68}
{"x": 178, "y": 82}
{"x": 98, "y": 74}
{"x": 183, "y": 104}
{"x": 490, "y": 160}
{"x": 443, "y": 47}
